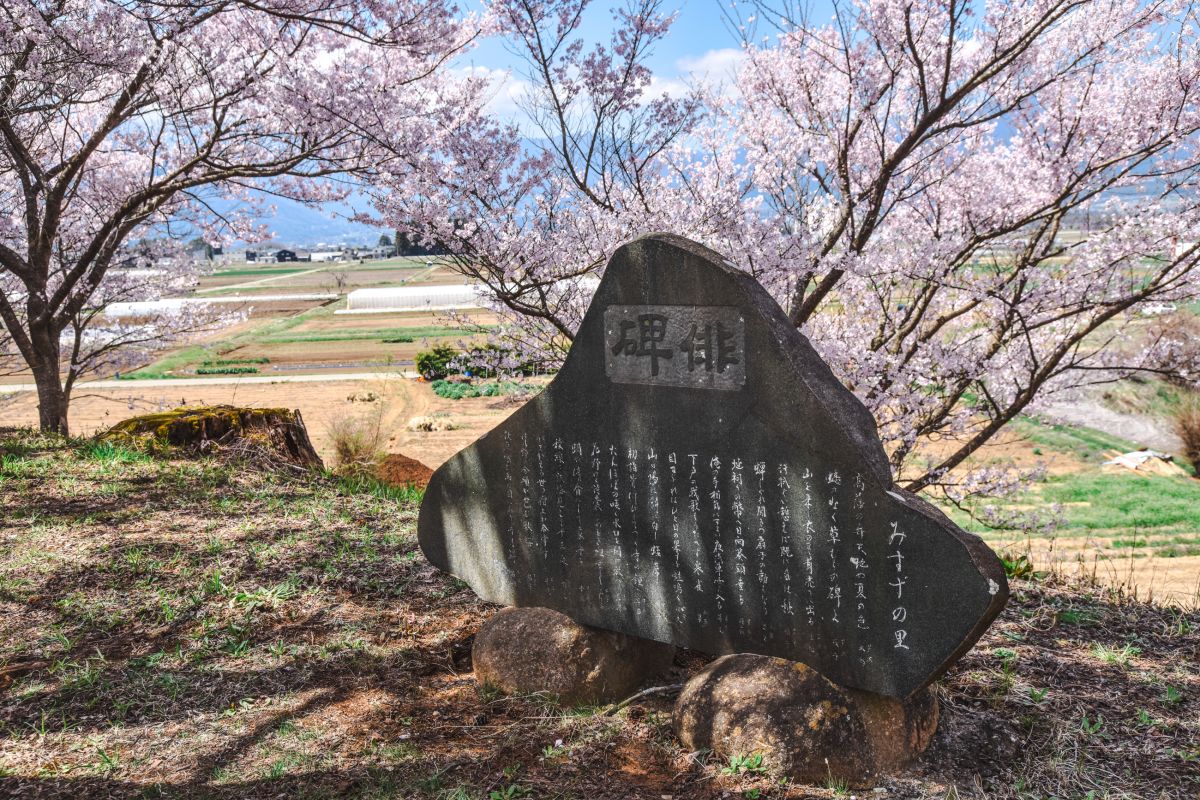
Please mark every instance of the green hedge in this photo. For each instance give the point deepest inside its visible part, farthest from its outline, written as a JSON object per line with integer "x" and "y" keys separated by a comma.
{"x": 229, "y": 362}
{"x": 226, "y": 370}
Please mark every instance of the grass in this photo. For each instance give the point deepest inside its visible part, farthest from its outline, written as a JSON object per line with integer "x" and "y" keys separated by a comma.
{"x": 198, "y": 628}
{"x": 413, "y": 333}
{"x": 1110, "y": 514}
{"x": 1086, "y": 444}
{"x": 255, "y": 272}
{"x": 173, "y": 362}
{"x": 1103, "y": 501}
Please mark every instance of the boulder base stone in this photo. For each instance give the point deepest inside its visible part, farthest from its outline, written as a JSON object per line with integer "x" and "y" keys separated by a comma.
{"x": 805, "y": 726}
{"x": 527, "y": 650}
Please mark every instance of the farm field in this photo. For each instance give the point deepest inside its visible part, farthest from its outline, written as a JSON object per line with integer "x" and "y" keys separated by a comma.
{"x": 253, "y": 279}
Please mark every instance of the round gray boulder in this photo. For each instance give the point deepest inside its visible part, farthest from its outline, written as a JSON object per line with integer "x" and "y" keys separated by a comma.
{"x": 527, "y": 650}
{"x": 804, "y": 726}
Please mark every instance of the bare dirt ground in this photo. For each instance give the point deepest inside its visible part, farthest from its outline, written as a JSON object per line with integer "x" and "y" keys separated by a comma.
{"x": 393, "y": 402}
{"x": 197, "y": 629}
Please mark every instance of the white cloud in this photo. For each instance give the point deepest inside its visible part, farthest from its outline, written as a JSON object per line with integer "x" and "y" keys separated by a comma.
{"x": 714, "y": 70}
{"x": 722, "y": 63}
{"x": 672, "y": 87}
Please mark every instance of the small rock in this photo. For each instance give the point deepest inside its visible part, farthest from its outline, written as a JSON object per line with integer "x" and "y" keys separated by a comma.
{"x": 527, "y": 650}
{"x": 805, "y": 726}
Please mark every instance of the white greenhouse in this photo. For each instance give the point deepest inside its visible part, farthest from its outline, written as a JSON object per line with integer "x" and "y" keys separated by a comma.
{"x": 411, "y": 298}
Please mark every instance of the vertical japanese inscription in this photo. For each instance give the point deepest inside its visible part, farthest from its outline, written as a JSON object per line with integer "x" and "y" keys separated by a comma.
{"x": 701, "y": 347}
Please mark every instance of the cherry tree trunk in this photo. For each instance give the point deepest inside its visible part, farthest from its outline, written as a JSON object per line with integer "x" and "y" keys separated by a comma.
{"x": 52, "y": 397}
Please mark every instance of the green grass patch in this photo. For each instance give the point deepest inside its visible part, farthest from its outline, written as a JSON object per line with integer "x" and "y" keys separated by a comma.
{"x": 1084, "y": 443}
{"x": 1125, "y": 507}
{"x": 109, "y": 453}
{"x": 361, "y": 484}
{"x": 1126, "y": 501}
{"x": 252, "y": 272}
{"x": 457, "y": 391}
{"x": 381, "y": 334}
{"x": 172, "y": 362}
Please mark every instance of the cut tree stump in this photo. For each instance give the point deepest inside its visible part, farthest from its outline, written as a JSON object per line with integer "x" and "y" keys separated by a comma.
{"x": 276, "y": 432}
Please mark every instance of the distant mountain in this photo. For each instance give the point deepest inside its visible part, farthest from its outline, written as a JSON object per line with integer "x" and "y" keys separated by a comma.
{"x": 299, "y": 225}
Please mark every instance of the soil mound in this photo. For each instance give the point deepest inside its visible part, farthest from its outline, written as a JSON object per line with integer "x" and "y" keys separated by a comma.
{"x": 400, "y": 470}
{"x": 273, "y": 434}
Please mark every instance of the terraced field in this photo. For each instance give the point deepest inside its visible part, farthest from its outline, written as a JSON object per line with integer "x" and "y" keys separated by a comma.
{"x": 1137, "y": 531}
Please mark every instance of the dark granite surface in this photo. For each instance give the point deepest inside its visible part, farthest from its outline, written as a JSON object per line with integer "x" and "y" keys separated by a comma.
{"x": 695, "y": 474}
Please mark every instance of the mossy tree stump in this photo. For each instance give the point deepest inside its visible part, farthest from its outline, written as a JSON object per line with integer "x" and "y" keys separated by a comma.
{"x": 277, "y": 431}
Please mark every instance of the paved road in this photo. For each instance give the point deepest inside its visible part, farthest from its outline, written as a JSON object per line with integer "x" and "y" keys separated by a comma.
{"x": 12, "y": 388}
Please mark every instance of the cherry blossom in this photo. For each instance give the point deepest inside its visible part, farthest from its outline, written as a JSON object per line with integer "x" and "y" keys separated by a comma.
{"x": 124, "y": 123}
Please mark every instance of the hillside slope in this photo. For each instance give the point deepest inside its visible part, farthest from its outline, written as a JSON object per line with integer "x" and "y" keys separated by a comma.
{"x": 174, "y": 628}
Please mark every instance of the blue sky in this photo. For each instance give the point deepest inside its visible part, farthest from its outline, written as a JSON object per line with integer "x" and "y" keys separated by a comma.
{"x": 700, "y": 43}
{"x": 700, "y": 29}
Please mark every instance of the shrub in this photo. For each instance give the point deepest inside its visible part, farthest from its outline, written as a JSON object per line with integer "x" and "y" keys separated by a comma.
{"x": 1187, "y": 424}
{"x": 435, "y": 364}
{"x": 227, "y": 362}
{"x": 457, "y": 391}
{"x": 358, "y": 444}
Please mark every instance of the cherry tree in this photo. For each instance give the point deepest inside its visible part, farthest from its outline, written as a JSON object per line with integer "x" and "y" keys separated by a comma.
{"x": 125, "y": 123}
{"x": 985, "y": 195}
{"x": 531, "y": 210}
{"x": 963, "y": 205}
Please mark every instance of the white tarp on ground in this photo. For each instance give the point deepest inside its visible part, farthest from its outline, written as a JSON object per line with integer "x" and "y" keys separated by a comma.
{"x": 411, "y": 298}
{"x": 1144, "y": 461}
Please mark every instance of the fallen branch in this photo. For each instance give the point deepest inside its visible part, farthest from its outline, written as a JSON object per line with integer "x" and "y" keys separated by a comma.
{"x": 613, "y": 709}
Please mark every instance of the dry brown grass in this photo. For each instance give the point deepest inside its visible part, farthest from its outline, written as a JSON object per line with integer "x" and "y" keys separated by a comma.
{"x": 1187, "y": 425}
{"x": 359, "y": 441}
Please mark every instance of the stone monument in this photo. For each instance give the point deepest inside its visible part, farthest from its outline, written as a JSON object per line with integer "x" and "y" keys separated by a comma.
{"x": 696, "y": 475}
